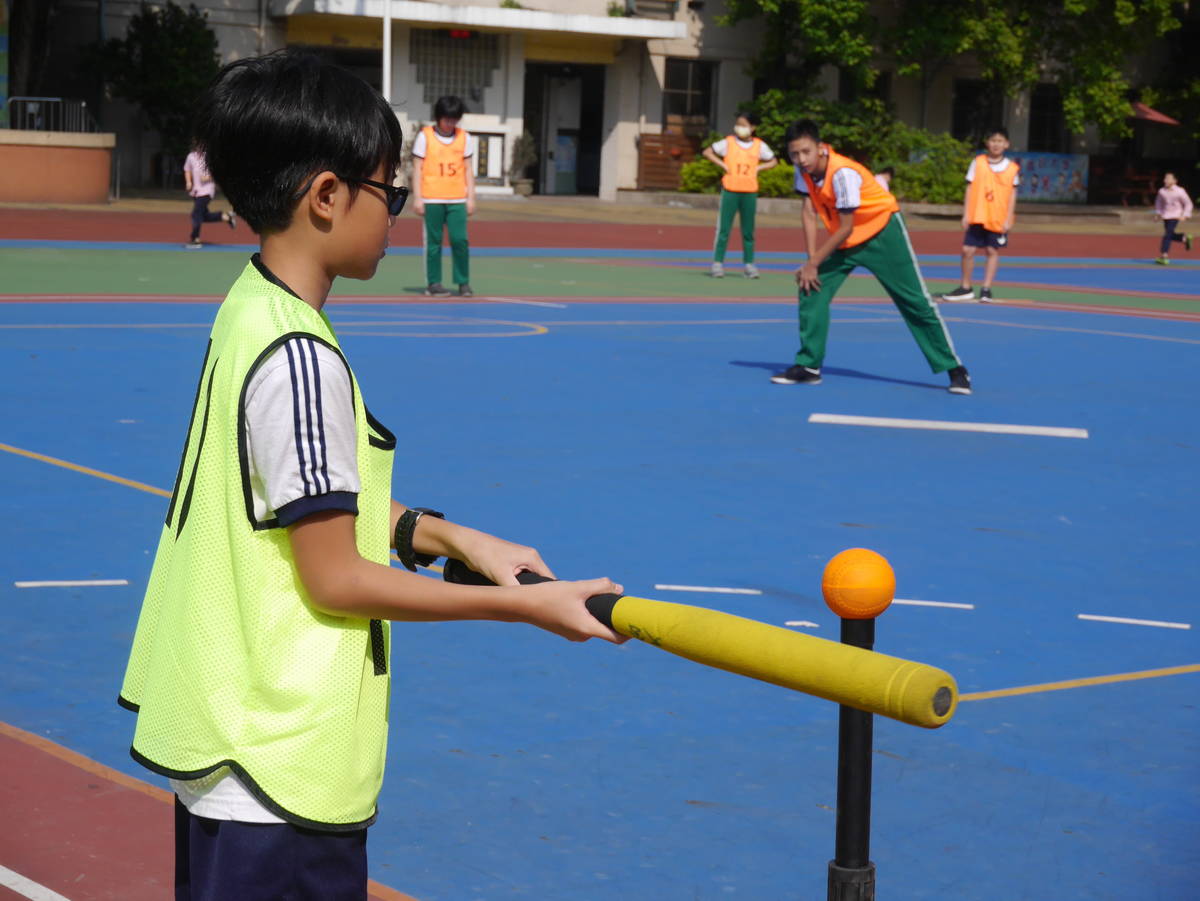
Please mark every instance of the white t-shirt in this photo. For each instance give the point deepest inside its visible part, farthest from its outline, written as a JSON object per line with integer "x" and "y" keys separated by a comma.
{"x": 303, "y": 459}
{"x": 765, "y": 153}
{"x": 999, "y": 166}
{"x": 847, "y": 188}
{"x": 418, "y": 150}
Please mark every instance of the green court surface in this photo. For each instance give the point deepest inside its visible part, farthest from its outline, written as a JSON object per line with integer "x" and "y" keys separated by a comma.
{"x": 67, "y": 271}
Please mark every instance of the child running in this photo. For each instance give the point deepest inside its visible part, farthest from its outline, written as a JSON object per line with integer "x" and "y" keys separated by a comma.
{"x": 742, "y": 156}
{"x": 444, "y": 193}
{"x": 202, "y": 189}
{"x": 866, "y": 229}
{"x": 989, "y": 204}
{"x": 260, "y": 665}
{"x": 1172, "y": 205}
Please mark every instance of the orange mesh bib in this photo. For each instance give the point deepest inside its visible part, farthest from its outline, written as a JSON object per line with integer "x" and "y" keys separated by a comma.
{"x": 444, "y": 174}
{"x": 743, "y": 166}
{"x": 990, "y": 194}
{"x": 875, "y": 204}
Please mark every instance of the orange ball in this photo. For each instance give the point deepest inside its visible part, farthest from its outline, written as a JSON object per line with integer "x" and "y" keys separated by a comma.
{"x": 858, "y": 584}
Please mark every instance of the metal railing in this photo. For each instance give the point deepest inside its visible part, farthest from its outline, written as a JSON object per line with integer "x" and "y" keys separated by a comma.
{"x": 50, "y": 114}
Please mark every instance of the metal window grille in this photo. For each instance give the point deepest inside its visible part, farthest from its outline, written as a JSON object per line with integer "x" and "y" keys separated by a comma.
{"x": 455, "y": 63}
{"x": 49, "y": 114}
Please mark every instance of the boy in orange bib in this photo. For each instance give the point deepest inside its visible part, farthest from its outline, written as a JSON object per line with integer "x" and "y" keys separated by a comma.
{"x": 444, "y": 193}
{"x": 989, "y": 204}
{"x": 865, "y": 229}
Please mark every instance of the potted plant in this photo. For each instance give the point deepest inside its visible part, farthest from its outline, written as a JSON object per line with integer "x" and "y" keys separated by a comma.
{"x": 524, "y": 155}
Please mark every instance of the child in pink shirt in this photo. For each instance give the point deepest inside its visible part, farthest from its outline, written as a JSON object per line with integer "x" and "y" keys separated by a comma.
{"x": 1171, "y": 205}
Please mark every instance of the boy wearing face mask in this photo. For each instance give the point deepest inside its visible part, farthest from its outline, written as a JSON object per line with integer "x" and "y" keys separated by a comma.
{"x": 742, "y": 156}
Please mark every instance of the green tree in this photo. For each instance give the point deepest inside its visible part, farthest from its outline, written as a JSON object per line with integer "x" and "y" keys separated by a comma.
{"x": 166, "y": 59}
{"x": 1176, "y": 89}
{"x": 1085, "y": 46}
{"x": 801, "y": 36}
{"x": 924, "y": 37}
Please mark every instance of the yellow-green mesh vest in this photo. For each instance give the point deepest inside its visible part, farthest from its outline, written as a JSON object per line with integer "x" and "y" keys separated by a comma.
{"x": 231, "y": 664}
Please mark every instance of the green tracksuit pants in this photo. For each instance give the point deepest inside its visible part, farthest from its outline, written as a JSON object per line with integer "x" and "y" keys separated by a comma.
{"x": 890, "y": 258}
{"x": 453, "y": 218}
{"x": 743, "y": 205}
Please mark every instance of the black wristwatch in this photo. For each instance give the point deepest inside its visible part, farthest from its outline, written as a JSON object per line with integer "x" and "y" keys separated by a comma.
{"x": 406, "y": 525}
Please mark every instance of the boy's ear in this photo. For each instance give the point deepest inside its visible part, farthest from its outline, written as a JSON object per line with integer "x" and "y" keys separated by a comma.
{"x": 321, "y": 196}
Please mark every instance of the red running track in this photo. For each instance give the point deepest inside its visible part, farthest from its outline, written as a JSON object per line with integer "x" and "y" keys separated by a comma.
{"x": 86, "y": 831}
{"x": 106, "y": 225}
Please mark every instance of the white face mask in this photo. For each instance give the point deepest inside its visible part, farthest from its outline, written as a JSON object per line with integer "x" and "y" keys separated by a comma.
{"x": 742, "y": 131}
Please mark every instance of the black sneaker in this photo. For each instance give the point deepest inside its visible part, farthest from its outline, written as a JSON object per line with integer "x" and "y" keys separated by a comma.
{"x": 437, "y": 289}
{"x": 985, "y": 295}
{"x": 798, "y": 375}
{"x": 960, "y": 381}
{"x": 961, "y": 294}
{"x": 465, "y": 291}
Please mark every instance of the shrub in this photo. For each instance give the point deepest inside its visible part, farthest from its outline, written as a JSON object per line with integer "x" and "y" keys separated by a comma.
{"x": 700, "y": 176}
{"x": 929, "y": 167}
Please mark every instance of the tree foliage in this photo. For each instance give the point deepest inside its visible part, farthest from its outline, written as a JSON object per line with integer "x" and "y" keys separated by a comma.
{"x": 802, "y": 36}
{"x": 1085, "y": 46}
{"x": 166, "y": 59}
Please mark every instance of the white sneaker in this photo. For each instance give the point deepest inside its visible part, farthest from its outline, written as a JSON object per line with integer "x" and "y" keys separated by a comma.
{"x": 751, "y": 271}
{"x": 717, "y": 270}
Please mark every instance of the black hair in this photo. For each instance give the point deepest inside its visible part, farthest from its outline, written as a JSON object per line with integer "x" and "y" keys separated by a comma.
{"x": 803, "y": 128}
{"x": 753, "y": 118}
{"x": 890, "y": 171}
{"x": 996, "y": 130}
{"x": 266, "y": 124}
{"x": 449, "y": 107}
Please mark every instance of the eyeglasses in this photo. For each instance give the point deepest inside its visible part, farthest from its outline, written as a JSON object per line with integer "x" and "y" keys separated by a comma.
{"x": 397, "y": 196}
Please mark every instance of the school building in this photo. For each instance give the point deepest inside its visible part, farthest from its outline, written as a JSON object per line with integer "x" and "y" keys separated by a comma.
{"x": 616, "y": 94}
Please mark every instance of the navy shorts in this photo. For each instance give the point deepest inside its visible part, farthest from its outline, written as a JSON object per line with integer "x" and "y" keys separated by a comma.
{"x": 219, "y": 860}
{"x": 978, "y": 236}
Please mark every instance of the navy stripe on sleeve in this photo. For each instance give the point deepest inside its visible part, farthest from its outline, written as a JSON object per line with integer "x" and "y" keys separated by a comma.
{"x": 296, "y": 417}
{"x": 312, "y": 351}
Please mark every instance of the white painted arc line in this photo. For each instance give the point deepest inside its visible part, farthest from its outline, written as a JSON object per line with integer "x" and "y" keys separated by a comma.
{"x": 999, "y": 428}
{"x": 914, "y": 603}
{"x": 27, "y": 888}
{"x": 1124, "y": 620}
{"x": 531, "y": 303}
{"x": 72, "y": 583}
{"x": 802, "y": 624}
{"x": 712, "y": 589}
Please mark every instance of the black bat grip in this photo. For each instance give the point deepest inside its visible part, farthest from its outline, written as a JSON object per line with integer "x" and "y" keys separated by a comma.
{"x": 598, "y": 605}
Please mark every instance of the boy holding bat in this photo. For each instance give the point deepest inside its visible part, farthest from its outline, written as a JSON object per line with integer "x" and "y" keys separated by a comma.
{"x": 865, "y": 229}
{"x": 260, "y": 665}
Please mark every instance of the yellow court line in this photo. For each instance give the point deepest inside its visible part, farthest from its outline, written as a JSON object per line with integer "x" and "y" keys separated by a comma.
{"x": 66, "y": 464}
{"x": 1080, "y": 683}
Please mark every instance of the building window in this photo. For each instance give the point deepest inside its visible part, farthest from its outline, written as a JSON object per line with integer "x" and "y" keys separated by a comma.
{"x": 688, "y": 95}
{"x": 1047, "y": 131}
{"x": 976, "y": 108}
{"x": 454, "y": 62}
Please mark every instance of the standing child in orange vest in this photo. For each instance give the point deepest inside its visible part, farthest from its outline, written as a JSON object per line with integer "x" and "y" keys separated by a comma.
{"x": 444, "y": 193}
{"x": 989, "y": 204}
{"x": 866, "y": 229}
{"x": 742, "y": 156}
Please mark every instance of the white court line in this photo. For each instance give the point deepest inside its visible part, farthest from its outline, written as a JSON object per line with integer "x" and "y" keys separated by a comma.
{"x": 708, "y": 588}
{"x": 72, "y": 583}
{"x": 27, "y": 887}
{"x": 948, "y": 426}
{"x": 1134, "y": 622}
{"x": 953, "y": 606}
{"x": 531, "y": 303}
{"x": 802, "y": 624}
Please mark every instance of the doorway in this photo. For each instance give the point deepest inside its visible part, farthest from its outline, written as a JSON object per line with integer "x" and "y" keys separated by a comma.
{"x": 564, "y": 111}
